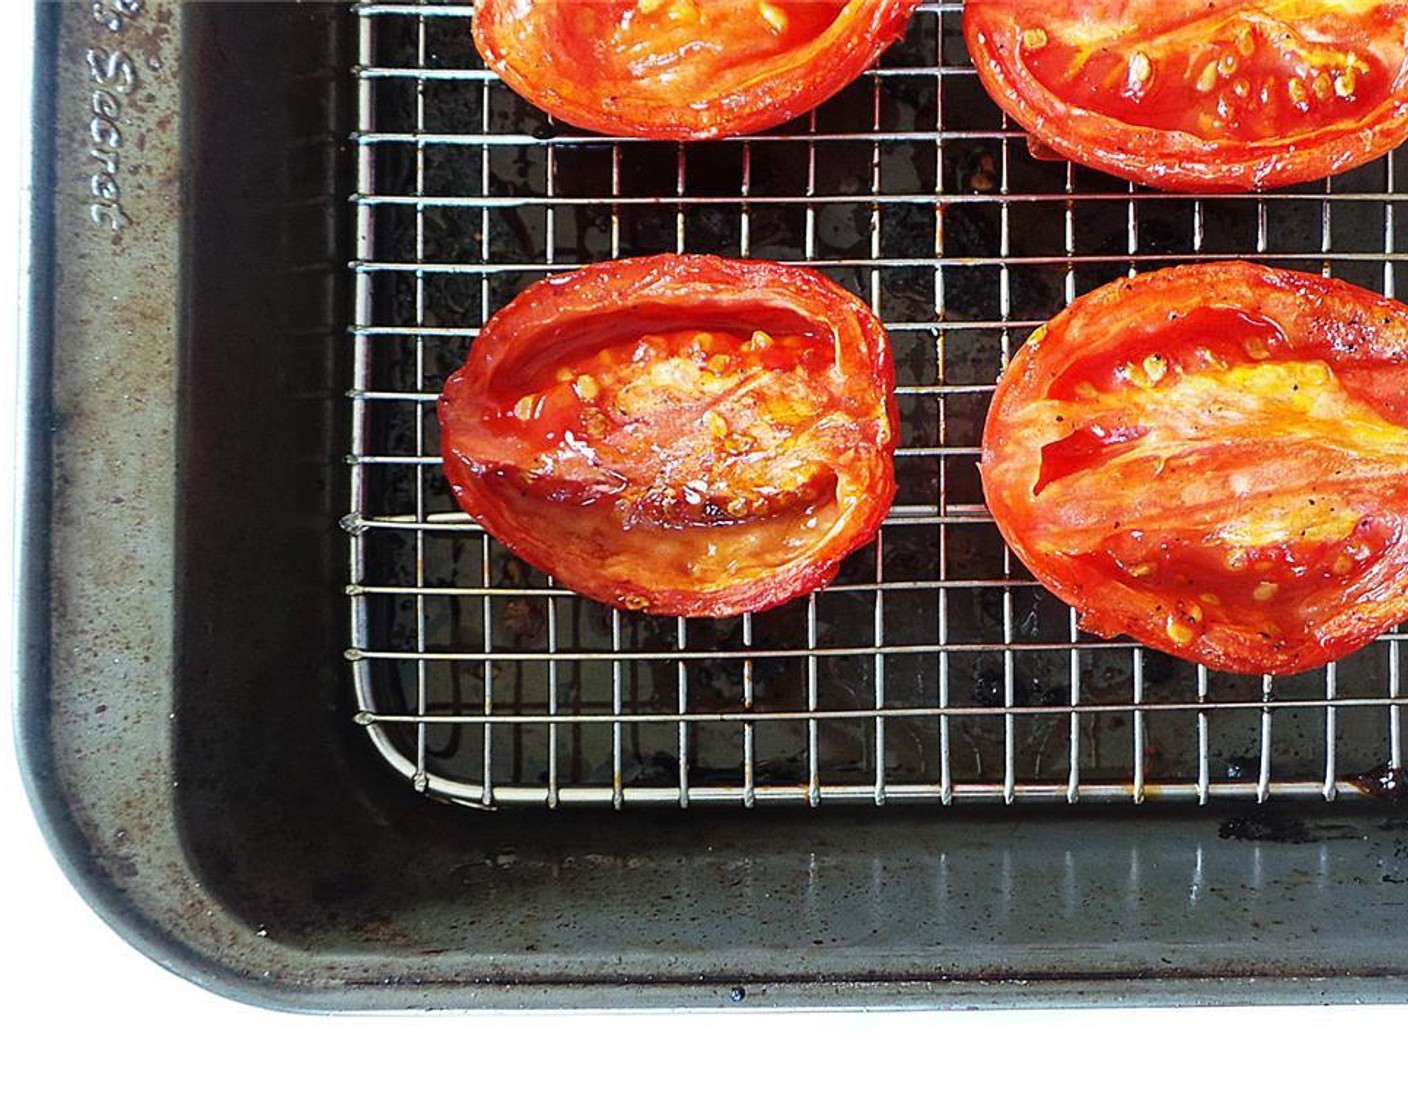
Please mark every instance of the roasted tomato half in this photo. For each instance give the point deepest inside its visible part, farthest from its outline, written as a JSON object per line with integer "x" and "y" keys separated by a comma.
{"x": 681, "y": 435}
{"x": 683, "y": 69}
{"x": 1200, "y": 94}
{"x": 1213, "y": 459}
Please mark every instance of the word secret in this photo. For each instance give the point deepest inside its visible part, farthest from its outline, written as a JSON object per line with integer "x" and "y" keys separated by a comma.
{"x": 114, "y": 78}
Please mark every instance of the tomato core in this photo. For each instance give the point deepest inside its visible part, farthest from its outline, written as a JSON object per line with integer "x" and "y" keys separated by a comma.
{"x": 673, "y": 429}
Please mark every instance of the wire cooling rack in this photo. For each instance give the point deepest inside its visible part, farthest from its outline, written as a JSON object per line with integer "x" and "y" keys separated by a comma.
{"x": 934, "y": 669}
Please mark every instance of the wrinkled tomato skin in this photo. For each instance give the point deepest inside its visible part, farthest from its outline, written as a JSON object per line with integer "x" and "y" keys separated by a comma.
{"x": 683, "y": 69}
{"x": 1200, "y": 95}
{"x": 679, "y": 435}
{"x": 1213, "y": 459}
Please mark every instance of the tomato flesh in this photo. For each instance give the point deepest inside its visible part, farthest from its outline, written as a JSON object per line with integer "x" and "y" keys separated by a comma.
{"x": 1239, "y": 74}
{"x": 683, "y": 69}
{"x": 678, "y": 434}
{"x": 1200, "y": 94}
{"x": 1257, "y": 587}
{"x": 1083, "y": 450}
{"x": 1207, "y": 459}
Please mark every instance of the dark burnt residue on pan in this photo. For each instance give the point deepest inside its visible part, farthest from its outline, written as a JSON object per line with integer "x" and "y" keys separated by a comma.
{"x": 1386, "y": 783}
{"x": 1266, "y": 827}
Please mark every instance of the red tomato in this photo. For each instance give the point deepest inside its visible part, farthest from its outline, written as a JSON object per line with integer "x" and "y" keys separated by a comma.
{"x": 1200, "y": 94}
{"x": 681, "y": 435}
{"x": 683, "y": 69}
{"x": 1214, "y": 460}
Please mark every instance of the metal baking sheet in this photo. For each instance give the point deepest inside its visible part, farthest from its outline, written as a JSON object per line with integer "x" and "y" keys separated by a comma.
{"x": 935, "y": 668}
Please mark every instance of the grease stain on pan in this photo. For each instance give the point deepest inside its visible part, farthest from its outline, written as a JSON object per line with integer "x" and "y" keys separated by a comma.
{"x": 1386, "y": 782}
{"x": 1275, "y": 828}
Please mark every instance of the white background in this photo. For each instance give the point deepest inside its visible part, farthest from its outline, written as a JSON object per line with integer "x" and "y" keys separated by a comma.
{"x": 88, "y": 1026}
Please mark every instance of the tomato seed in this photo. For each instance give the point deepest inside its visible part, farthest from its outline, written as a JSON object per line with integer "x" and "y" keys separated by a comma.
{"x": 1141, "y": 70}
{"x": 1179, "y": 632}
{"x": 773, "y": 16}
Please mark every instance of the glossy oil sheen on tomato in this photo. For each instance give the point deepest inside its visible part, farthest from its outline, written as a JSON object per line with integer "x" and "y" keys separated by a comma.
{"x": 688, "y": 42}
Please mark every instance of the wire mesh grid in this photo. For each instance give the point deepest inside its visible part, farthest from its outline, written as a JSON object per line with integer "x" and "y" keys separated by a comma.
{"x": 934, "y": 669}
